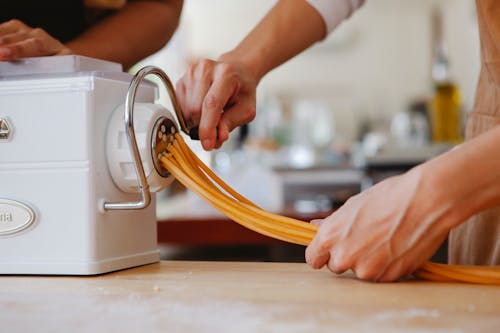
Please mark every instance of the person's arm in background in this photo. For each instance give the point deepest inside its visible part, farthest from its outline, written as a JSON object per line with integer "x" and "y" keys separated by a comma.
{"x": 217, "y": 96}
{"x": 135, "y": 31}
{"x": 131, "y": 34}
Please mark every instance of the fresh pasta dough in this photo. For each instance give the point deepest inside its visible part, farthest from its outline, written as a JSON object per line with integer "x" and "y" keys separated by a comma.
{"x": 184, "y": 165}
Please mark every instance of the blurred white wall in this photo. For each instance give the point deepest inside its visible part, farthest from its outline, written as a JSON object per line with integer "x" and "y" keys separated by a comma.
{"x": 373, "y": 65}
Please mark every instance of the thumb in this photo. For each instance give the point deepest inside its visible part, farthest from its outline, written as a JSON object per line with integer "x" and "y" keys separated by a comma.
{"x": 240, "y": 113}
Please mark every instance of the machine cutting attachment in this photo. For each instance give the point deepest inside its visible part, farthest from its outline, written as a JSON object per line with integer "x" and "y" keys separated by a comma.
{"x": 162, "y": 133}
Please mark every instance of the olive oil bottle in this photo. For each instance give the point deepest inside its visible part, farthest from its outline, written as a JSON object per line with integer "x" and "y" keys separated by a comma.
{"x": 445, "y": 106}
{"x": 446, "y": 114}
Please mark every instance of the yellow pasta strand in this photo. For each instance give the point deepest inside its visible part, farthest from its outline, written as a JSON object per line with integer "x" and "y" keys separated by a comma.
{"x": 247, "y": 220}
{"x": 186, "y": 167}
{"x": 209, "y": 192}
{"x": 196, "y": 161}
{"x": 245, "y": 202}
{"x": 432, "y": 277}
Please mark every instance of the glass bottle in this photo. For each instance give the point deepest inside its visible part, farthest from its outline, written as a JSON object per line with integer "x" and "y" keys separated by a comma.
{"x": 445, "y": 108}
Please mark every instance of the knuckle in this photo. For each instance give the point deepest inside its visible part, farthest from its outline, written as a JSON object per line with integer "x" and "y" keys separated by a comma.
{"x": 342, "y": 262}
{"x": 324, "y": 240}
{"x": 396, "y": 270}
{"x": 194, "y": 113}
{"x": 351, "y": 201}
{"x": 208, "y": 62}
{"x": 364, "y": 272}
{"x": 210, "y": 102}
{"x": 343, "y": 257}
{"x": 387, "y": 279}
{"x": 341, "y": 253}
{"x": 39, "y": 45}
{"x": 225, "y": 69}
{"x": 229, "y": 124}
{"x": 236, "y": 84}
{"x": 389, "y": 276}
{"x": 16, "y": 23}
{"x": 333, "y": 265}
{"x": 38, "y": 31}
{"x": 16, "y": 49}
{"x": 191, "y": 71}
{"x": 249, "y": 114}
{"x": 204, "y": 66}
{"x": 205, "y": 130}
{"x": 5, "y": 40}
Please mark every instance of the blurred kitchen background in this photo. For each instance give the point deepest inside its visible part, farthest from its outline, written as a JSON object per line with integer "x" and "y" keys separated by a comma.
{"x": 389, "y": 89}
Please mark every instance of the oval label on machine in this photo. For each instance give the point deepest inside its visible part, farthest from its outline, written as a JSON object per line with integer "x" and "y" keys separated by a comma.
{"x": 14, "y": 216}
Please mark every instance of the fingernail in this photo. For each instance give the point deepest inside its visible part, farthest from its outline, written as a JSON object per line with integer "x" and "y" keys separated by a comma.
{"x": 4, "y": 52}
{"x": 207, "y": 144}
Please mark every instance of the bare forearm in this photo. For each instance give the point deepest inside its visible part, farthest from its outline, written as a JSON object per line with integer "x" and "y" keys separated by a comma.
{"x": 136, "y": 31}
{"x": 289, "y": 28}
{"x": 466, "y": 179}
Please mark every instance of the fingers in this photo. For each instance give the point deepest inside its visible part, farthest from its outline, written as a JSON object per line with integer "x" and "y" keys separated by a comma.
{"x": 241, "y": 113}
{"x": 30, "y": 47}
{"x": 318, "y": 253}
{"x": 12, "y": 26}
{"x": 217, "y": 97}
{"x": 223, "y": 88}
{"x": 371, "y": 266}
{"x": 14, "y": 37}
{"x": 379, "y": 242}
{"x": 8, "y": 32}
{"x": 317, "y": 222}
{"x": 412, "y": 259}
{"x": 198, "y": 81}
{"x": 5, "y": 54}
{"x": 192, "y": 88}
{"x": 18, "y": 40}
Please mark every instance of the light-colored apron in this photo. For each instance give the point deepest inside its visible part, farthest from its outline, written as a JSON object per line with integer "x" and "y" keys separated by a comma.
{"x": 477, "y": 241}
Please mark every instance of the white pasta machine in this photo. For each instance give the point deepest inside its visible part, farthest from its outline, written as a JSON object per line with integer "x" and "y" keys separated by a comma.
{"x": 79, "y": 145}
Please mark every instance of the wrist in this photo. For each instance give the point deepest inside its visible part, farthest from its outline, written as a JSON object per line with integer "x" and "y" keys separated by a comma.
{"x": 249, "y": 64}
{"x": 446, "y": 192}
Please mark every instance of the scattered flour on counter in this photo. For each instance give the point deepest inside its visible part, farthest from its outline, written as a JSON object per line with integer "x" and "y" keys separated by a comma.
{"x": 409, "y": 313}
{"x": 406, "y": 314}
{"x": 149, "y": 313}
{"x": 159, "y": 312}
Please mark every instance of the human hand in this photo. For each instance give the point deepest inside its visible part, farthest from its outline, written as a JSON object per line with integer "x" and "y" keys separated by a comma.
{"x": 18, "y": 40}
{"x": 217, "y": 96}
{"x": 385, "y": 232}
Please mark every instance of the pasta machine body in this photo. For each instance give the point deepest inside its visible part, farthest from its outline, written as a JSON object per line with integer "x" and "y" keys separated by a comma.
{"x": 64, "y": 156}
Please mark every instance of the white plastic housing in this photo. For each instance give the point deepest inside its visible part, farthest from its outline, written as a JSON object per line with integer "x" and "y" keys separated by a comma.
{"x": 55, "y": 163}
{"x": 120, "y": 160}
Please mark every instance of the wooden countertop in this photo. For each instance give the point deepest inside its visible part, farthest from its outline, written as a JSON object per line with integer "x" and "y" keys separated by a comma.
{"x": 180, "y": 296}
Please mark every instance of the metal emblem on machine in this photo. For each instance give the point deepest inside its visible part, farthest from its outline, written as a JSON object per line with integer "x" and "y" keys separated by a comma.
{"x": 14, "y": 216}
{"x": 5, "y": 130}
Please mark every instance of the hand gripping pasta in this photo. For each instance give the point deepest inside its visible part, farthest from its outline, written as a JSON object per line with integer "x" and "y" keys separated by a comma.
{"x": 184, "y": 165}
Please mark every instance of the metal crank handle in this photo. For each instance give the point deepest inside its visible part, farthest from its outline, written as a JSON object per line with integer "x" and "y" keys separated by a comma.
{"x": 192, "y": 132}
{"x": 143, "y": 185}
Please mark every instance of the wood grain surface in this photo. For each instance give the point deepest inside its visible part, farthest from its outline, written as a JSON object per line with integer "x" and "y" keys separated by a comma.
{"x": 182, "y": 296}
